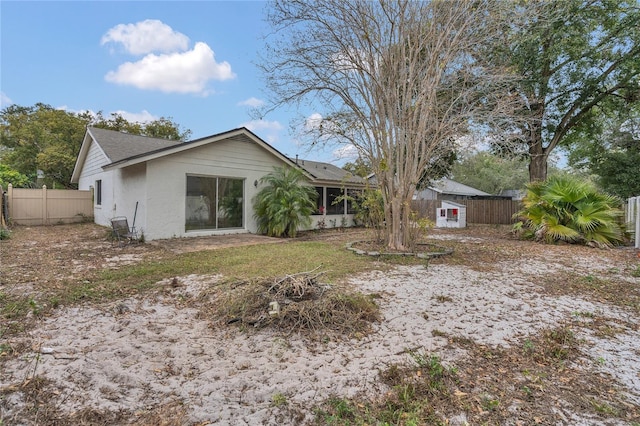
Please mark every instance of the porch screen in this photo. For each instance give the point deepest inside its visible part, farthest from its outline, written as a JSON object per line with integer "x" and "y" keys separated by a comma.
{"x": 214, "y": 203}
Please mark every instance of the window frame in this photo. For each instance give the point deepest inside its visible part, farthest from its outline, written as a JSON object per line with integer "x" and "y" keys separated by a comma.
{"x": 195, "y": 226}
{"x": 98, "y": 192}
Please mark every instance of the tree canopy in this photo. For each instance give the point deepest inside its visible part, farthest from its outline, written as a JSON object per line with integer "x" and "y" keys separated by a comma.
{"x": 397, "y": 80}
{"x": 42, "y": 138}
{"x": 573, "y": 59}
{"x": 611, "y": 152}
{"x": 491, "y": 173}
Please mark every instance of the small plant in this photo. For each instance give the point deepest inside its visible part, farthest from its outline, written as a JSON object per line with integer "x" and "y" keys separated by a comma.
{"x": 5, "y": 234}
{"x": 321, "y": 224}
{"x": 344, "y": 222}
{"x": 528, "y": 346}
{"x": 432, "y": 367}
{"x": 636, "y": 272}
{"x": 489, "y": 404}
{"x": 604, "y": 408}
{"x": 438, "y": 333}
{"x": 442, "y": 298}
{"x": 35, "y": 308}
{"x": 279, "y": 399}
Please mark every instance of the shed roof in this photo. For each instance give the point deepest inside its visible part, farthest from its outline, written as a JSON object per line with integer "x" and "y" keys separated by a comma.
{"x": 448, "y": 186}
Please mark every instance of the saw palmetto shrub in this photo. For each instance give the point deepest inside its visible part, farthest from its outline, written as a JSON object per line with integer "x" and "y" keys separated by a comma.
{"x": 563, "y": 208}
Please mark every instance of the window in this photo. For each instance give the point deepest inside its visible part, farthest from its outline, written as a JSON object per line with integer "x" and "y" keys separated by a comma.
{"x": 353, "y": 195}
{"x": 214, "y": 203}
{"x": 334, "y": 207}
{"x": 319, "y": 200}
{"x": 98, "y": 192}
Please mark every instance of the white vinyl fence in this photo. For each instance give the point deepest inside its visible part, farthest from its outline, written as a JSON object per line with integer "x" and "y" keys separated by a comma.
{"x": 632, "y": 218}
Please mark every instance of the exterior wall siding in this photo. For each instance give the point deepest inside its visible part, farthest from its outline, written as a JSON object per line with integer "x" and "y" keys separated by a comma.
{"x": 91, "y": 172}
{"x": 166, "y": 184}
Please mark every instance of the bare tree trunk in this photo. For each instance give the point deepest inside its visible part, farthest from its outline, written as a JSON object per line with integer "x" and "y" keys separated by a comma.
{"x": 538, "y": 155}
{"x": 537, "y": 166}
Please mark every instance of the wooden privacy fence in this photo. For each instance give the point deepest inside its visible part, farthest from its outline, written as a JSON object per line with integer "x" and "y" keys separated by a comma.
{"x": 490, "y": 212}
{"x": 48, "y": 206}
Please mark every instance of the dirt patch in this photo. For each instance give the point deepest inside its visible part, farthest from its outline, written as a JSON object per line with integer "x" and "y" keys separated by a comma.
{"x": 528, "y": 328}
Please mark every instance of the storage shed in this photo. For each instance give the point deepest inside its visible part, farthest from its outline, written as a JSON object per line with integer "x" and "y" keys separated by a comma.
{"x": 451, "y": 215}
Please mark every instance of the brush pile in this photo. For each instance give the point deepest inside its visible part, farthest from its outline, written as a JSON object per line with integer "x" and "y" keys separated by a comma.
{"x": 298, "y": 302}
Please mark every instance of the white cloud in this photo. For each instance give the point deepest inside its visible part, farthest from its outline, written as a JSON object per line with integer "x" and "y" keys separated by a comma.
{"x": 257, "y": 125}
{"x": 269, "y": 131}
{"x": 146, "y": 36}
{"x": 347, "y": 152}
{"x": 133, "y": 117}
{"x": 137, "y": 117}
{"x": 313, "y": 121}
{"x": 5, "y": 101}
{"x": 186, "y": 72}
{"x": 252, "y": 102}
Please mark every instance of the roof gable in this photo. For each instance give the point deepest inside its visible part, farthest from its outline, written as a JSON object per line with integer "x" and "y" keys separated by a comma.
{"x": 123, "y": 150}
{"x": 117, "y": 145}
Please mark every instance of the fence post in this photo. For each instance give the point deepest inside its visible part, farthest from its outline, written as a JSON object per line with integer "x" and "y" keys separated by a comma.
{"x": 45, "y": 218}
{"x": 637, "y": 221}
{"x": 10, "y": 200}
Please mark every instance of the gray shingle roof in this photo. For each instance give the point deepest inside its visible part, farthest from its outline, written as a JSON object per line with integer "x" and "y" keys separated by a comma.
{"x": 328, "y": 172}
{"x": 118, "y": 146}
{"x": 448, "y": 186}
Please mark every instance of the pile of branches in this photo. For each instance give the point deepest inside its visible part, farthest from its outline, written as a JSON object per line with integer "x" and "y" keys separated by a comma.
{"x": 298, "y": 302}
{"x": 297, "y": 287}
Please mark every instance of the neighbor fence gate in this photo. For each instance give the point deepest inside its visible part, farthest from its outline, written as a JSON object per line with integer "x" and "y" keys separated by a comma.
{"x": 632, "y": 219}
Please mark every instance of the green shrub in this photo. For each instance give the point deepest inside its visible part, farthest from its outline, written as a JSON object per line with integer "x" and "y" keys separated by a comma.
{"x": 284, "y": 204}
{"x": 563, "y": 208}
{"x": 5, "y": 234}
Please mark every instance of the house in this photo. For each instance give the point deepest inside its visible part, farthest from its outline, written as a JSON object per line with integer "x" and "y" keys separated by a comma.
{"x": 447, "y": 189}
{"x": 201, "y": 187}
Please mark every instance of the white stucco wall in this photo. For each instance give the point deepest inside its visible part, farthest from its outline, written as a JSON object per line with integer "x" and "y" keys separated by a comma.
{"x": 130, "y": 188}
{"x": 166, "y": 184}
{"x": 91, "y": 172}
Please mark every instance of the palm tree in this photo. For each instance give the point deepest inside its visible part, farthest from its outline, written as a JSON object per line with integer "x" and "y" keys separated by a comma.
{"x": 563, "y": 208}
{"x": 285, "y": 203}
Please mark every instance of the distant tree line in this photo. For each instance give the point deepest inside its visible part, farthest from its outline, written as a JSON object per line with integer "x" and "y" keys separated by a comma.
{"x": 39, "y": 144}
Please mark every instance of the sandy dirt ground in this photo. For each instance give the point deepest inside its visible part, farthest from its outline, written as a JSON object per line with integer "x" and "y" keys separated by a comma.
{"x": 150, "y": 351}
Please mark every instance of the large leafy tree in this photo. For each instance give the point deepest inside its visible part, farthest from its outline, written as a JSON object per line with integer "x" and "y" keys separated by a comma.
{"x": 360, "y": 167}
{"x": 43, "y": 138}
{"x": 395, "y": 79}
{"x": 13, "y": 177}
{"x": 490, "y": 173}
{"x": 573, "y": 59}
{"x": 612, "y": 153}
{"x": 285, "y": 202}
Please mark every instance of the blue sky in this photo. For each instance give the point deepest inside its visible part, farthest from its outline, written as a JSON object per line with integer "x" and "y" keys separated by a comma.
{"x": 191, "y": 61}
